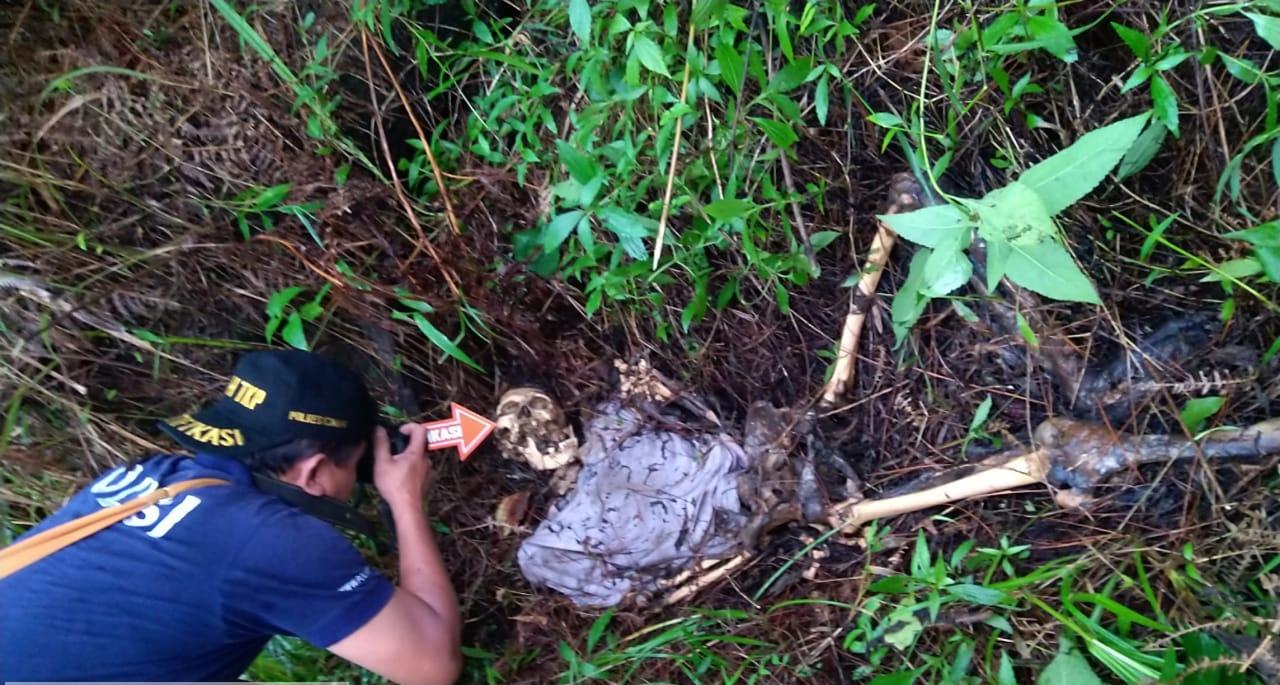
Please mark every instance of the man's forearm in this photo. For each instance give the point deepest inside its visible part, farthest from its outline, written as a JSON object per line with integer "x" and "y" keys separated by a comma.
{"x": 422, "y": 571}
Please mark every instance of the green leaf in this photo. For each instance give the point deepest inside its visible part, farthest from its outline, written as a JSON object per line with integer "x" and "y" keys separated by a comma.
{"x": 438, "y": 338}
{"x": 790, "y": 76}
{"x": 1262, "y": 235}
{"x": 1137, "y": 78}
{"x": 822, "y": 239}
{"x": 1144, "y": 149}
{"x": 631, "y": 230}
{"x": 1135, "y": 39}
{"x": 727, "y": 208}
{"x": 901, "y": 677}
{"x": 707, "y": 12}
{"x": 928, "y": 226}
{"x": 581, "y": 167}
{"x": 1028, "y": 334}
{"x": 1267, "y": 28}
{"x": 947, "y": 268}
{"x": 1242, "y": 267}
{"x": 1169, "y": 62}
{"x": 909, "y": 302}
{"x": 1047, "y": 268}
{"x": 1069, "y": 175}
{"x": 981, "y": 415}
{"x": 997, "y": 263}
{"x": 279, "y": 299}
{"x": 597, "y": 629}
{"x": 782, "y": 296}
{"x": 977, "y": 594}
{"x": 886, "y": 120}
{"x": 1014, "y": 214}
{"x": 731, "y": 67}
{"x": 559, "y": 228}
{"x": 270, "y": 197}
{"x": 1197, "y": 410}
{"x": 650, "y": 55}
{"x": 1005, "y": 676}
{"x": 1240, "y": 68}
{"x": 1165, "y": 103}
{"x": 580, "y": 20}
{"x": 293, "y": 334}
{"x": 780, "y": 133}
{"x": 1069, "y": 667}
{"x": 821, "y": 102}
{"x": 902, "y": 635}
{"x": 1054, "y": 36}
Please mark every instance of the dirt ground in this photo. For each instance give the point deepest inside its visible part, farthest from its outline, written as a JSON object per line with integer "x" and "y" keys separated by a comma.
{"x": 116, "y": 220}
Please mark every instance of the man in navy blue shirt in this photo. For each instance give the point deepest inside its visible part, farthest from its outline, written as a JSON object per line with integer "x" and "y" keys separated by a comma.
{"x": 192, "y": 588}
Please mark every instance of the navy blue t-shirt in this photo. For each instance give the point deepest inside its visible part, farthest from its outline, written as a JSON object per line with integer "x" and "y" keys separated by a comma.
{"x": 189, "y": 589}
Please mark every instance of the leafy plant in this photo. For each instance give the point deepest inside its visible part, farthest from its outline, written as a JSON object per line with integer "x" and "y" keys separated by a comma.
{"x": 280, "y": 310}
{"x": 263, "y": 206}
{"x": 1015, "y": 224}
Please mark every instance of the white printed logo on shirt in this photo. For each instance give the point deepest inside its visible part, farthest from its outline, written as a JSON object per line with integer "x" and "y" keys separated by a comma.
{"x": 357, "y": 581}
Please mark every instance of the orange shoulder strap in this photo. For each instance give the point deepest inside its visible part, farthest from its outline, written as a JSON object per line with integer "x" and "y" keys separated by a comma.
{"x": 21, "y": 554}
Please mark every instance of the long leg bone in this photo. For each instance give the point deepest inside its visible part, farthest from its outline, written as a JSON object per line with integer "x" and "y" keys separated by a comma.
{"x": 904, "y": 196}
{"x": 1075, "y": 454}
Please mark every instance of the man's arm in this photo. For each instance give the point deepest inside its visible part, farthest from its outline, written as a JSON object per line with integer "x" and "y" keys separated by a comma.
{"x": 416, "y": 638}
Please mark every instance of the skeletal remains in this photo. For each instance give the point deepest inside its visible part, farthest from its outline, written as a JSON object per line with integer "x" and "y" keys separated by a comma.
{"x": 778, "y": 483}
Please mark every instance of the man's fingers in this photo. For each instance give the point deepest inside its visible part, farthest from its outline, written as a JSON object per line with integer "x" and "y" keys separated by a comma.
{"x": 381, "y": 442}
{"x": 417, "y": 433}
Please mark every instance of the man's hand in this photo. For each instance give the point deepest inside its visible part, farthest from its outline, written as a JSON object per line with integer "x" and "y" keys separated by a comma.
{"x": 416, "y": 638}
{"x": 401, "y": 478}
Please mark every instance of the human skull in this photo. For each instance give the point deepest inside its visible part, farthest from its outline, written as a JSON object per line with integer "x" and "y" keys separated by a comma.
{"x": 532, "y": 427}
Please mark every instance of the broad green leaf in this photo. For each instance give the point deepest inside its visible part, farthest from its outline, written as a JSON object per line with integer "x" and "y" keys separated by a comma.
{"x": 271, "y": 197}
{"x": 1171, "y": 61}
{"x": 1137, "y": 78}
{"x": 928, "y": 226}
{"x": 1197, "y": 410}
{"x": 1054, "y": 36}
{"x": 279, "y": 299}
{"x": 1240, "y": 68}
{"x": 1014, "y": 214}
{"x": 902, "y": 635}
{"x": 1242, "y": 267}
{"x": 886, "y": 120}
{"x": 631, "y": 230}
{"x": 997, "y": 263}
{"x": 1165, "y": 104}
{"x": 977, "y": 594}
{"x": 909, "y": 302}
{"x": 1262, "y": 235}
{"x": 822, "y": 239}
{"x": 821, "y": 102}
{"x": 581, "y": 167}
{"x": 980, "y": 416}
{"x": 900, "y": 677}
{"x": 947, "y": 268}
{"x": 790, "y": 76}
{"x": 707, "y": 12}
{"x": 1069, "y": 667}
{"x": 293, "y": 334}
{"x": 1135, "y": 39}
{"x": 1144, "y": 149}
{"x": 780, "y": 133}
{"x": 580, "y": 20}
{"x": 1069, "y": 175}
{"x": 731, "y": 67}
{"x": 1047, "y": 268}
{"x": 650, "y": 55}
{"x": 1267, "y": 28}
{"x": 1028, "y": 333}
{"x": 727, "y": 208}
{"x": 1005, "y": 676}
{"x": 559, "y": 228}
{"x": 782, "y": 296}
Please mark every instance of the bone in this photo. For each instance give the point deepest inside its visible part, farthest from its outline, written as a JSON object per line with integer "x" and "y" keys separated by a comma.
{"x": 1076, "y": 454}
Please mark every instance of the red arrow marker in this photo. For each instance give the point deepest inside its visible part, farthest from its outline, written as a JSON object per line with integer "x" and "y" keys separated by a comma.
{"x": 466, "y": 430}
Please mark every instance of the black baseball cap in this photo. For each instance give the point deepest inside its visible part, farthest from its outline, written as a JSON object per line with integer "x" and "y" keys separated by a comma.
{"x": 276, "y": 397}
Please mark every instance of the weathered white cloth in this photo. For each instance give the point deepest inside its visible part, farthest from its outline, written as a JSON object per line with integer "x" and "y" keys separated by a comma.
{"x": 648, "y": 503}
